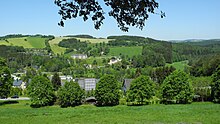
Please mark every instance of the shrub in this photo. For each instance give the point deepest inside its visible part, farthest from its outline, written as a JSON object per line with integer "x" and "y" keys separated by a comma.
{"x": 107, "y": 92}
{"x": 141, "y": 90}
{"x": 216, "y": 86}
{"x": 70, "y": 94}
{"x": 177, "y": 88}
{"x": 40, "y": 90}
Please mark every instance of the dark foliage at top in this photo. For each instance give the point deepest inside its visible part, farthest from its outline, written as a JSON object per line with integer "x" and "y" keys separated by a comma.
{"x": 81, "y": 36}
{"x": 72, "y": 43}
{"x": 125, "y": 12}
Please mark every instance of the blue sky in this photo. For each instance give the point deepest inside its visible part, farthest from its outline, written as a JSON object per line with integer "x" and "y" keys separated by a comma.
{"x": 185, "y": 19}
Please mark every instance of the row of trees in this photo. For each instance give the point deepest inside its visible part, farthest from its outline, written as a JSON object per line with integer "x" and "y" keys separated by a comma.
{"x": 175, "y": 88}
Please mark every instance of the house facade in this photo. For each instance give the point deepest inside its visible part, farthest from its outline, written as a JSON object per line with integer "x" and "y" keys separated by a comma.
{"x": 87, "y": 84}
{"x": 79, "y": 56}
{"x": 126, "y": 85}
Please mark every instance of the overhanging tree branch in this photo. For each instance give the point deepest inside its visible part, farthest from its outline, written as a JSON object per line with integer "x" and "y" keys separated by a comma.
{"x": 125, "y": 12}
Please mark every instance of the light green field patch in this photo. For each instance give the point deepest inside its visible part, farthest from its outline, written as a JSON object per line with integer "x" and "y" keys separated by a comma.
{"x": 20, "y": 42}
{"x": 54, "y": 45}
{"x": 179, "y": 65}
{"x": 26, "y": 42}
{"x": 127, "y": 51}
{"x": 3, "y": 42}
{"x": 98, "y": 40}
{"x": 36, "y": 42}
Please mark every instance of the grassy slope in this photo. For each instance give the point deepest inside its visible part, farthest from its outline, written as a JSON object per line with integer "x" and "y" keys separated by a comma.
{"x": 37, "y": 42}
{"x": 54, "y": 45}
{"x": 130, "y": 51}
{"x": 179, "y": 65}
{"x": 94, "y": 40}
{"x": 32, "y": 42}
{"x": 196, "y": 113}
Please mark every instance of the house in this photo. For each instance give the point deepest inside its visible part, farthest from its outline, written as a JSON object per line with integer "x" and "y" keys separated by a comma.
{"x": 87, "y": 84}
{"x": 79, "y": 56}
{"x": 126, "y": 85}
{"x": 19, "y": 84}
{"x": 114, "y": 60}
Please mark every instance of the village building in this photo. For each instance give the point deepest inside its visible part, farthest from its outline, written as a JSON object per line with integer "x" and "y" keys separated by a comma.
{"x": 87, "y": 84}
{"x": 79, "y": 56}
{"x": 126, "y": 85}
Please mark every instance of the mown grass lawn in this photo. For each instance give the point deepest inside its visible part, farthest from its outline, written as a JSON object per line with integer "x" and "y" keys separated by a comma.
{"x": 196, "y": 113}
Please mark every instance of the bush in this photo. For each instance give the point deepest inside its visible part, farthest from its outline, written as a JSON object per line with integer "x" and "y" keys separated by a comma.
{"x": 141, "y": 90}
{"x": 216, "y": 86}
{"x": 70, "y": 95}
{"x": 107, "y": 92}
{"x": 40, "y": 90}
{"x": 177, "y": 88}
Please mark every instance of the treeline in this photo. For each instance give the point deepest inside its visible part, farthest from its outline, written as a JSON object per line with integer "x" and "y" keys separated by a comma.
{"x": 21, "y": 35}
{"x": 81, "y": 36}
{"x": 73, "y": 45}
{"x": 129, "y": 41}
{"x": 205, "y": 65}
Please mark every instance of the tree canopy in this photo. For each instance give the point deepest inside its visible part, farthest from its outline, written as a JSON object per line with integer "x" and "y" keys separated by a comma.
{"x": 70, "y": 94}
{"x": 40, "y": 90}
{"x": 177, "y": 88}
{"x": 125, "y": 12}
{"x": 5, "y": 79}
{"x": 216, "y": 85}
{"x": 141, "y": 89}
{"x": 107, "y": 91}
{"x": 56, "y": 81}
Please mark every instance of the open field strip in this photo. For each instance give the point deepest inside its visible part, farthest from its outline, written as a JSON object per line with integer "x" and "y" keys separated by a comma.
{"x": 195, "y": 113}
{"x": 54, "y": 45}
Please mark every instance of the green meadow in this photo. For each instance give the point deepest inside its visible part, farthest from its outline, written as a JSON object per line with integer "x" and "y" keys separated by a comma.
{"x": 54, "y": 45}
{"x": 179, "y": 65}
{"x": 97, "y": 40}
{"x": 127, "y": 51}
{"x": 196, "y": 113}
{"x": 26, "y": 42}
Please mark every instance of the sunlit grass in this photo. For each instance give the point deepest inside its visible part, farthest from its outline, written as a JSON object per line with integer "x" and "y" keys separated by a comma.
{"x": 201, "y": 113}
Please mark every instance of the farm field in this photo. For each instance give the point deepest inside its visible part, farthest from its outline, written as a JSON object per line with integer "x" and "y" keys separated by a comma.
{"x": 196, "y": 113}
{"x": 98, "y": 40}
{"x": 127, "y": 51}
{"x": 26, "y": 42}
{"x": 54, "y": 45}
{"x": 179, "y": 65}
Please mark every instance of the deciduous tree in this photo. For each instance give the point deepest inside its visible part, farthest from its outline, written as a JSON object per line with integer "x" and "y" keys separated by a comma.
{"x": 141, "y": 89}
{"x": 56, "y": 81}
{"x": 40, "y": 90}
{"x": 125, "y": 12}
{"x": 107, "y": 92}
{"x": 70, "y": 94}
{"x": 5, "y": 79}
{"x": 216, "y": 85}
{"x": 177, "y": 87}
